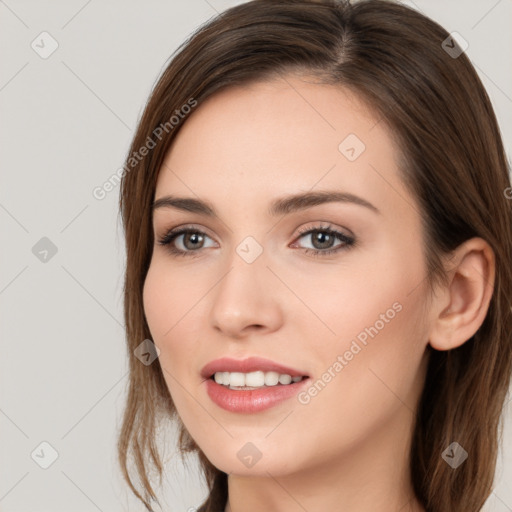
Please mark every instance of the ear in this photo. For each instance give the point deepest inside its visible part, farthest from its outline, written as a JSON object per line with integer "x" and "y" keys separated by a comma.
{"x": 461, "y": 307}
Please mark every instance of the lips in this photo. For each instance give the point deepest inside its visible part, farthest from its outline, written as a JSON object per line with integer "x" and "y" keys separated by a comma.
{"x": 250, "y": 364}
{"x": 251, "y": 400}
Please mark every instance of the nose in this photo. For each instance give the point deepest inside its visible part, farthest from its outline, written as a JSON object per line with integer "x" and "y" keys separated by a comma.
{"x": 246, "y": 300}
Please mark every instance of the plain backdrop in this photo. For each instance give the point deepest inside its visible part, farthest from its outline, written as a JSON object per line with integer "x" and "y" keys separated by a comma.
{"x": 66, "y": 124}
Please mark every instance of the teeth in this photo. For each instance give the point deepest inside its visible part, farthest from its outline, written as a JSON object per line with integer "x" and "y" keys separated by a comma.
{"x": 285, "y": 379}
{"x": 255, "y": 379}
{"x": 236, "y": 379}
{"x": 271, "y": 378}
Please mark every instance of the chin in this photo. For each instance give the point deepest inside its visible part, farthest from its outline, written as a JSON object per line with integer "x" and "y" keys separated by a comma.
{"x": 256, "y": 458}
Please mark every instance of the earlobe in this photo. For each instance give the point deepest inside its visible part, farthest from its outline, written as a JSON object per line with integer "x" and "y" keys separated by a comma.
{"x": 461, "y": 308}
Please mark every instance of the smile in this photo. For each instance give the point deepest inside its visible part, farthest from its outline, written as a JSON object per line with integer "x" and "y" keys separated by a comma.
{"x": 250, "y": 385}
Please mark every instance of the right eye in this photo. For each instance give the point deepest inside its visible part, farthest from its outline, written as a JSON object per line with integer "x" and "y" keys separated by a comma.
{"x": 190, "y": 237}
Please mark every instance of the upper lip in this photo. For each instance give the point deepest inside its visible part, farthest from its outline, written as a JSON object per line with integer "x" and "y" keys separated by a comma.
{"x": 251, "y": 364}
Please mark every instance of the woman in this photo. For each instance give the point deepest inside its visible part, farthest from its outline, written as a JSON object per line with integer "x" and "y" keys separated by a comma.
{"x": 318, "y": 263}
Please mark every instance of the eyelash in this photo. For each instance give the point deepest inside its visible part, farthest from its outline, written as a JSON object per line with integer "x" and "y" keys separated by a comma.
{"x": 348, "y": 242}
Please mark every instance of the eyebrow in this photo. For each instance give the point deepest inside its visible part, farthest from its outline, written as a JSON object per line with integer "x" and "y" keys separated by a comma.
{"x": 281, "y": 206}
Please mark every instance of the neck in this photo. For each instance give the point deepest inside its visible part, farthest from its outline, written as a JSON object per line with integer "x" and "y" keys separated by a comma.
{"x": 370, "y": 475}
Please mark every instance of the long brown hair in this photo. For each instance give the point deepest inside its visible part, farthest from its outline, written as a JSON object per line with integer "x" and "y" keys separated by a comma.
{"x": 407, "y": 69}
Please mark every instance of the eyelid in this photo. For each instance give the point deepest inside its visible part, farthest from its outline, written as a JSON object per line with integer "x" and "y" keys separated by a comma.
{"x": 325, "y": 225}
{"x": 320, "y": 225}
{"x": 184, "y": 227}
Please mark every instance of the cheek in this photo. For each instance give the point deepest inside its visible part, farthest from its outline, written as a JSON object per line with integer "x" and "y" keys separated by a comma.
{"x": 352, "y": 400}
{"x": 374, "y": 368}
{"x": 156, "y": 303}
{"x": 373, "y": 361}
{"x": 367, "y": 299}
{"x": 167, "y": 296}
{"x": 171, "y": 308}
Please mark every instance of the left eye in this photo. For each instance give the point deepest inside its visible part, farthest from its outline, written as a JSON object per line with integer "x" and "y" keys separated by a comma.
{"x": 324, "y": 237}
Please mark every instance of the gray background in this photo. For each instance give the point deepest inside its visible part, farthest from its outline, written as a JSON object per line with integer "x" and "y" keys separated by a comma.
{"x": 67, "y": 122}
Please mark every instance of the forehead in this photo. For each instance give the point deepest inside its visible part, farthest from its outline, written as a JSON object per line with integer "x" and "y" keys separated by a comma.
{"x": 264, "y": 139}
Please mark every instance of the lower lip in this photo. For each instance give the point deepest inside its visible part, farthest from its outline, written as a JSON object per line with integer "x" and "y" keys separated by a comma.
{"x": 251, "y": 400}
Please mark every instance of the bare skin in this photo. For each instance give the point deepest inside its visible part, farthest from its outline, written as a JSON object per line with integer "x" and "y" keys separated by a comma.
{"x": 347, "y": 446}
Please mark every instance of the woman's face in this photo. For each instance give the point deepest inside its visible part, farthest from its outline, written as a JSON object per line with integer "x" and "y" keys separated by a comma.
{"x": 247, "y": 282}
